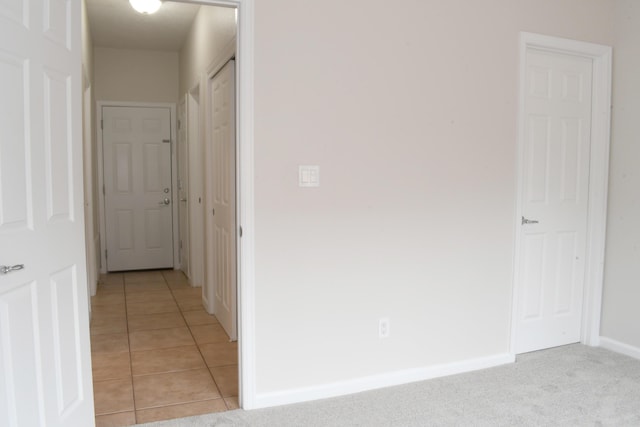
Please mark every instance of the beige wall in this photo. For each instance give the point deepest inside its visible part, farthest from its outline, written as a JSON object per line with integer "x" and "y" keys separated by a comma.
{"x": 212, "y": 30}
{"x": 135, "y": 75}
{"x": 409, "y": 108}
{"x": 620, "y": 314}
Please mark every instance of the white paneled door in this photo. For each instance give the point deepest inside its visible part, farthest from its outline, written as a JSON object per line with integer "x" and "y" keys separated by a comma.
{"x": 45, "y": 368}
{"x": 557, "y": 137}
{"x": 183, "y": 187}
{"x": 221, "y": 201}
{"x": 138, "y": 193}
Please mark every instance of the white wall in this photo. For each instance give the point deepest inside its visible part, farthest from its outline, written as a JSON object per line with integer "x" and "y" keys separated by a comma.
{"x": 135, "y": 75}
{"x": 620, "y": 314}
{"x": 213, "y": 29}
{"x": 409, "y": 108}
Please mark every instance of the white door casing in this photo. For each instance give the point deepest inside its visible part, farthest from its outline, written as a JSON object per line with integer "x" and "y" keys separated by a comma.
{"x": 45, "y": 365}
{"x": 221, "y": 201}
{"x": 183, "y": 187}
{"x": 555, "y": 195}
{"x": 563, "y": 160}
{"x": 196, "y": 186}
{"x": 137, "y": 181}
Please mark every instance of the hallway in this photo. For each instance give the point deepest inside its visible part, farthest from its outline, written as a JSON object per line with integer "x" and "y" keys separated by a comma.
{"x": 156, "y": 353}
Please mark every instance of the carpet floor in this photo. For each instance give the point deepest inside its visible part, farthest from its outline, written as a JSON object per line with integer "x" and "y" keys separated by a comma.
{"x": 572, "y": 385}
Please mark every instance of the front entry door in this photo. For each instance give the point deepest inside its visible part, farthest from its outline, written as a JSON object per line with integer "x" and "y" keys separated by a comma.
{"x": 555, "y": 177}
{"x": 221, "y": 202}
{"x": 137, "y": 181}
{"x": 45, "y": 361}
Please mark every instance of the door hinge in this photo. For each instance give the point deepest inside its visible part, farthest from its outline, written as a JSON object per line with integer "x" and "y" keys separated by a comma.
{"x": 102, "y": 124}
{"x": 180, "y": 244}
{"x": 106, "y": 254}
{"x": 104, "y": 192}
{"x": 240, "y": 231}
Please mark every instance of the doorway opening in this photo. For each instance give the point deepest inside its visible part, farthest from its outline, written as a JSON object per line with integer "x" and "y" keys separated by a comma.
{"x": 565, "y": 95}
{"x": 196, "y": 120}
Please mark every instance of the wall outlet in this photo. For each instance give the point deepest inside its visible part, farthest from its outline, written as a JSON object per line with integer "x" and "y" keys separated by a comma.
{"x": 384, "y": 328}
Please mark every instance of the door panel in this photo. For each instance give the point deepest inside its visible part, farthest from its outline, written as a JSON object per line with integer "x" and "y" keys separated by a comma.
{"x": 137, "y": 178}
{"x": 44, "y": 326}
{"x": 555, "y": 192}
{"x": 221, "y": 197}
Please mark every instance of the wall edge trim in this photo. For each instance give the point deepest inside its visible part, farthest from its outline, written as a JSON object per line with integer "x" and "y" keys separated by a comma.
{"x": 373, "y": 382}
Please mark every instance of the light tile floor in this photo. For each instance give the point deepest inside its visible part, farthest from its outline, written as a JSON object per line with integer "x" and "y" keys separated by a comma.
{"x": 156, "y": 353}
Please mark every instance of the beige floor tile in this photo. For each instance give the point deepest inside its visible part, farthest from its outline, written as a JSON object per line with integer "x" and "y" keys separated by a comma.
{"x": 178, "y": 285}
{"x": 109, "y": 310}
{"x": 121, "y": 419}
{"x": 109, "y": 298}
{"x": 109, "y": 343}
{"x": 207, "y": 334}
{"x": 143, "y": 277}
{"x": 110, "y": 366}
{"x": 151, "y": 307}
{"x": 181, "y": 411}
{"x": 189, "y": 292}
{"x": 111, "y": 279}
{"x": 174, "y": 275}
{"x": 110, "y": 288}
{"x": 226, "y": 378}
{"x": 108, "y": 324}
{"x": 154, "y": 295}
{"x": 220, "y": 354}
{"x": 160, "y": 338}
{"x": 199, "y": 317}
{"x": 232, "y": 403}
{"x": 166, "y": 360}
{"x": 145, "y": 322}
{"x": 190, "y": 304}
{"x": 145, "y": 287}
{"x": 113, "y": 396}
{"x": 173, "y": 388}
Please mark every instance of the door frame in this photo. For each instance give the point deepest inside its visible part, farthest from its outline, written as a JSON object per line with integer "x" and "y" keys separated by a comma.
{"x": 174, "y": 175}
{"x": 217, "y": 64}
{"x": 598, "y": 175}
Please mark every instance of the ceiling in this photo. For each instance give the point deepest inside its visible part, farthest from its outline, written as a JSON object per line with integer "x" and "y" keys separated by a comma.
{"x": 115, "y": 24}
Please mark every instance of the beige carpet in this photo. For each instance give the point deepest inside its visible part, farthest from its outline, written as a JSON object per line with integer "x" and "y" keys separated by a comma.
{"x": 567, "y": 386}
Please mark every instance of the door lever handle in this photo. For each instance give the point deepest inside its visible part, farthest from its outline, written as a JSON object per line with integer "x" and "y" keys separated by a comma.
{"x": 5, "y": 269}
{"x": 166, "y": 201}
{"x": 529, "y": 221}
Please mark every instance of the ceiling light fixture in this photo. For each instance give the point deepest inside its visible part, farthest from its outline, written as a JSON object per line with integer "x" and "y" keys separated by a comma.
{"x": 146, "y": 6}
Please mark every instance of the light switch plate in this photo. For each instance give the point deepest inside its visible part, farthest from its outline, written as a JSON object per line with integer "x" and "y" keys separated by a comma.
{"x": 309, "y": 176}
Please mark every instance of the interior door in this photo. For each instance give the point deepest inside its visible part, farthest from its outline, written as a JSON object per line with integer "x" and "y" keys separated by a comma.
{"x": 45, "y": 365}
{"x": 551, "y": 265}
{"x": 221, "y": 196}
{"x": 137, "y": 180}
{"x": 183, "y": 187}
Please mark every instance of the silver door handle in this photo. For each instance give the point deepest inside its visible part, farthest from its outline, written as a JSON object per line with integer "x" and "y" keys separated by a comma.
{"x": 166, "y": 201}
{"x": 528, "y": 221}
{"x": 183, "y": 200}
{"x": 4, "y": 269}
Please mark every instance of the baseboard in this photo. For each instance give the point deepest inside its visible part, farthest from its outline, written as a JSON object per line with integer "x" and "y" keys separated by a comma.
{"x": 620, "y": 347}
{"x": 358, "y": 385}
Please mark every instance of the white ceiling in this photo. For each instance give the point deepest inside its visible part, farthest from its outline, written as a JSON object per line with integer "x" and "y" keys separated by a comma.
{"x": 115, "y": 24}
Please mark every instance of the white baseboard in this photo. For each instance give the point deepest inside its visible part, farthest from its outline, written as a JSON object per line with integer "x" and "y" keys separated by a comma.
{"x": 620, "y": 347}
{"x": 373, "y": 382}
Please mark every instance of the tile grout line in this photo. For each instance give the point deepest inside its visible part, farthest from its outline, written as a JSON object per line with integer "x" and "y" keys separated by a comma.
{"x": 199, "y": 350}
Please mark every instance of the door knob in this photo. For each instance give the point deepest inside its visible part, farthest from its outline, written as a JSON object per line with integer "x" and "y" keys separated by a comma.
{"x": 166, "y": 201}
{"x": 4, "y": 269}
{"x": 528, "y": 221}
